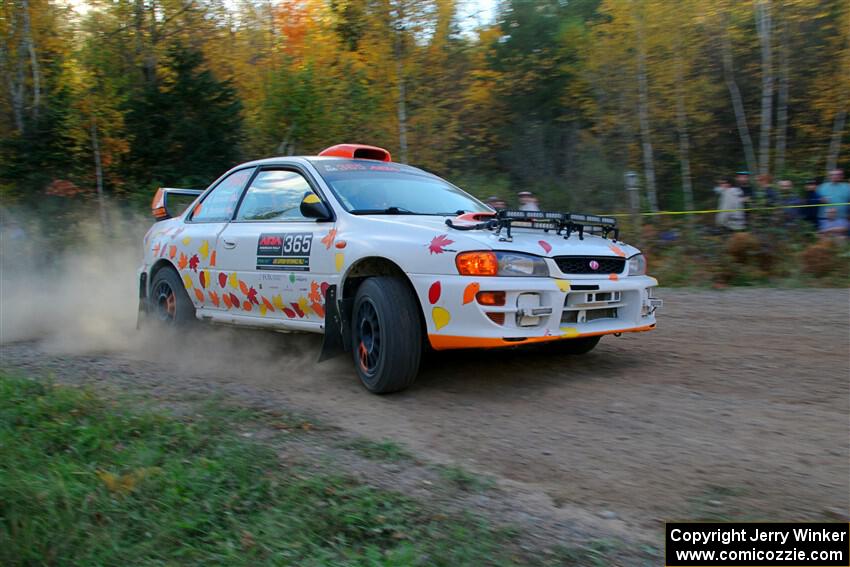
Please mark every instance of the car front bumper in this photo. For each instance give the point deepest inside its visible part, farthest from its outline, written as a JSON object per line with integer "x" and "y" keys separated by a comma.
{"x": 535, "y": 309}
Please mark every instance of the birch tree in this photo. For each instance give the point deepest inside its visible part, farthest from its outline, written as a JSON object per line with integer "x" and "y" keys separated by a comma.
{"x": 643, "y": 116}
{"x": 841, "y": 94}
{"x": 737, "y": 101}
{"x": 764, "y": 26}
{"x": 782, "y": 100}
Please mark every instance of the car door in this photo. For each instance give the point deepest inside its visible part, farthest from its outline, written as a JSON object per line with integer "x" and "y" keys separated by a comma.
{"x": 192, "y": 246}
{"x": 278, "y": 262}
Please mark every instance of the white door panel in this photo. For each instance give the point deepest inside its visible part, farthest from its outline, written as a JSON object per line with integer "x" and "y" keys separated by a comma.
{"x": 278, "y": 268}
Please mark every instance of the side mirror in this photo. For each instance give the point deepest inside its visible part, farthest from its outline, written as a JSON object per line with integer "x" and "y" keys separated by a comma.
{"x": 313, "y": 208}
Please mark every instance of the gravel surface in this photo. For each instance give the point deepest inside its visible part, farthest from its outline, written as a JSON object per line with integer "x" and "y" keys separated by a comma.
{"x": 736, "y": 407}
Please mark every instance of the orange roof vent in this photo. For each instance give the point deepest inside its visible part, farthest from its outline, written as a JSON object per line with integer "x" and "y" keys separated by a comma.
{"x": 357, "y": 151}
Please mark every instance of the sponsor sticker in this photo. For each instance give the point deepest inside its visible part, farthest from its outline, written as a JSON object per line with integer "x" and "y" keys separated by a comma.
{"x": 284, "y": 251}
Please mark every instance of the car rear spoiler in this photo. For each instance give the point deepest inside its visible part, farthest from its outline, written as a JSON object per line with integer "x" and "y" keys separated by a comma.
{"x": 159, "y": 205}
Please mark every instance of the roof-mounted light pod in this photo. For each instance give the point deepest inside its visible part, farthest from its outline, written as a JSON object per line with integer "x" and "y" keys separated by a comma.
{"x": 357, "y": 151}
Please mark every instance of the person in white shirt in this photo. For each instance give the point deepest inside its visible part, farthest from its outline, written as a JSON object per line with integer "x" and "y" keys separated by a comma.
{"x": 731, "y": 200}
{"x": 527, "y": 201}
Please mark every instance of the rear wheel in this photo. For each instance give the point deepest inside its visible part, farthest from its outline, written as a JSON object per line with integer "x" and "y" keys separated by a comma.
{"x": 386, "y": 334}
{"x": 168, "y": 302}
{"x": 581, "y": 345}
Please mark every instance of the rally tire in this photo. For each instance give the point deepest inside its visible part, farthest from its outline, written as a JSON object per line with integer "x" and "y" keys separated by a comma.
{"x": 168, "y": 301}
{"x": 582, "y": 345}
{"x": 386, "y": 334}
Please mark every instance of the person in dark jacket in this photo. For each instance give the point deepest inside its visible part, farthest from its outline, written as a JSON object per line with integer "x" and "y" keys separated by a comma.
{"x": 769, "y": 196}
{"x": 742, "y": 182}
{"x": 811, "y": 197}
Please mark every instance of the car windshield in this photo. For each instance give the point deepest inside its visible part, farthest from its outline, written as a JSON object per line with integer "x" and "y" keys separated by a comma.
{"x": 369, "y": 187}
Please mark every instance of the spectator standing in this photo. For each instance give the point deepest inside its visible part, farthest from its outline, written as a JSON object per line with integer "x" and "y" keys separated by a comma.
{"x": 730, "y": 202}
{"x": 497, "y": 203}
{"x": 836, "y": 190}
{"x": 742, "y": 180}
{"x": 811, "y": 197}
{"x": 832, "y": 226}
{"x": 527, "y": 201}
{"x": 768, "y": 193}
{"x": 789, "y": 198}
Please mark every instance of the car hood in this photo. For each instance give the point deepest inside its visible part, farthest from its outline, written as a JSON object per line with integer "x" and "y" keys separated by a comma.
{"x": 536, "y": 242}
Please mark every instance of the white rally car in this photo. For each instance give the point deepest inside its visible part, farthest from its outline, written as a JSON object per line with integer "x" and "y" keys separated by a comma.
{"x": 386, "y": 259}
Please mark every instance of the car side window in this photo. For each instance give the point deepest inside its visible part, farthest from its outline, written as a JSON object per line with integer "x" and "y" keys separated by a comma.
{"x": 219, "y": 205}
{"x": 274, "y": 195}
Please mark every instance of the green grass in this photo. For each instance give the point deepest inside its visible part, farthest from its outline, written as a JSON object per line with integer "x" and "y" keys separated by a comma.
{"x": 386, "y": 450}
{"x": 88, "y": 481}
{"x": 463, "y": 479}
{"x": 718, "y": 504}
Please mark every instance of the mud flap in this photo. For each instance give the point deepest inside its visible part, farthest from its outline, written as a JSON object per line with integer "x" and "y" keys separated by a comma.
{"x": 337, "y": 326}
{"x": 143, "y": 300}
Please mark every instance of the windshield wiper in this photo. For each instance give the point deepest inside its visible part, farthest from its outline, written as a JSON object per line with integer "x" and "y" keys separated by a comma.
{"x": 387, "y": 211}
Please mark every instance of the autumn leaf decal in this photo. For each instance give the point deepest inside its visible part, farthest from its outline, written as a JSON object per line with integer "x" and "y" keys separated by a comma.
{"x": 193, "y": 262}
{"x": 328, "y": 239}
{"x": 315, "y": 295}
{"x": 183, "y": 261}
{"x": 439, "y": 243}
{"x": 252, "y": 296}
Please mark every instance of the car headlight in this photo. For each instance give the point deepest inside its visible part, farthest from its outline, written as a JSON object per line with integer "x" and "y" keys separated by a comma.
{"x": 637, "y": 265}
{"x": 488, "y": 263}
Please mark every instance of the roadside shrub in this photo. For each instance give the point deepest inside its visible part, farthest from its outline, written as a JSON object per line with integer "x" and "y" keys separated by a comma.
{"x": 743, "y": 247}
{"x": 819, "y": 259}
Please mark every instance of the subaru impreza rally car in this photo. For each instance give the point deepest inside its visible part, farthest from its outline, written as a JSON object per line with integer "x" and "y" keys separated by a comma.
{"x": 386, "y": 260}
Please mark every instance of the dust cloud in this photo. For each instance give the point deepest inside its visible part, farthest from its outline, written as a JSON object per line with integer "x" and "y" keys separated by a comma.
{"x": 82, "y": 298}
{"x": 74, "y": 296}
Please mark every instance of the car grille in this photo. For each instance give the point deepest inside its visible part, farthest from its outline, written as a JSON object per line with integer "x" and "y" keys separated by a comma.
{"x": 582, "y": 264}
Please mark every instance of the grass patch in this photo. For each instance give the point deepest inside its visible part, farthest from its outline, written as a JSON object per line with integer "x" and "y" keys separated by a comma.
{"x": 463, "y": 479}
{"x": 388, "y": 451}
{"x": 87, "y": 481}
{"x": 719, "y": 504}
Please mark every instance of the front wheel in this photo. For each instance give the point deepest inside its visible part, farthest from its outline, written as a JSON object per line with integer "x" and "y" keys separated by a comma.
{"x": 581, "y": 345}
{"x": 386, "y": 334}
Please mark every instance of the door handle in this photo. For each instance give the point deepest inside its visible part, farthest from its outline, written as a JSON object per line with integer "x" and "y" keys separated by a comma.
{"x": 229, "y": 243}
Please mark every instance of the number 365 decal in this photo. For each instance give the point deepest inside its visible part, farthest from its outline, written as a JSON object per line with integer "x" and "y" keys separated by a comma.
{"x": 284, "y": 251}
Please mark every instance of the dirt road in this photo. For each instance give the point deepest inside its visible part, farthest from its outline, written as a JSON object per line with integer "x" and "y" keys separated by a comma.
{"x": 736, "y": 407}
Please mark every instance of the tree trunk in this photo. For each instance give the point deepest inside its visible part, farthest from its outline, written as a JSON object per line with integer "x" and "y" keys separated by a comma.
{"x": 402, "y": 105}
{"x": 682, "y": 128}
{"x": 782, "y": 103}
{"x": 737, "y": 103}
{"x": 29, "y": 44}
{"x": 643, "y": 117}
{"x": 14, "y": 81}
{"x": 835, "y": 141}
{"x": 764, "y": 25}
{"x": 98, "y": 173}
